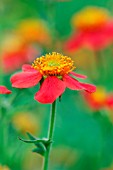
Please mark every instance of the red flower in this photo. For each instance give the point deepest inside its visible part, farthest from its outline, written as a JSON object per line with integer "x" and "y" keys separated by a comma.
{"x": 94, "y": 29}
{"x": 55, "y": 70}
{"x": 4, "y": 90}
{"x": 100, "y": 99}
{"x": 14, "y": 60}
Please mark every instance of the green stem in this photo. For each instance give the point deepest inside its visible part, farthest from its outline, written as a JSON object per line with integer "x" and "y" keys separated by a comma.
{"x": 50, "y": 134}
{"x": 4, "y": 133}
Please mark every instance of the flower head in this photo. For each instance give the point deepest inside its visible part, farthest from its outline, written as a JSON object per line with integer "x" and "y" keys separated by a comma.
{"x": 4, "y": 90}
{"x": 55, "y": 73}
{"x": 53, "y": 64}
{"x": 94, "y": 29}
{"x": 33, "y": 30}
{"x": 98, "y": 99}
{"x": 90, "y": 18}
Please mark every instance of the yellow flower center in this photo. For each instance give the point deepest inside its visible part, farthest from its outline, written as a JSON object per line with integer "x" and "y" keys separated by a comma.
{"x": 90, "y": 18}
{"x": 53, "y": 64}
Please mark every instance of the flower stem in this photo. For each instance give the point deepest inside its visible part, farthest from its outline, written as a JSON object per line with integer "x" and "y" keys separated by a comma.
{"x": 50, "y": 134}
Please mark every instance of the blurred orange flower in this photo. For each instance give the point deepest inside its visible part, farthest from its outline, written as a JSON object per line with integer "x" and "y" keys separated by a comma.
{"x": 90, "y": 18}
{"x": 34, "y": 30}
{"x": 94, "y": 29}
{"x": 25, "y": 122}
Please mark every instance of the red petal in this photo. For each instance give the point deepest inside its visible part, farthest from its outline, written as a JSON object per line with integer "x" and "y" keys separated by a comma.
{"x": 51, "y": 89}
{"x": 109, "y": 100}
{"x": 76, "y": 85}
{"x": 72, "y": 83}
{"x": 96, "y": 40}
{"x": 108, "y": 29}
{"x": 4, "y": 90}
{"x": 75, "y": 42}
{"x": 25, "y": 79}
{"x": 28, "y": 68}
{"x": 78, "y": 75}
{"x": 88, "y": 87}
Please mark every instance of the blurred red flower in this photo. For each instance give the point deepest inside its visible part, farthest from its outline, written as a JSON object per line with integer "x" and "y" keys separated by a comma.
{"x": 15, "y": 52}
{"x": 54, "y": 71}
{"x": 94, "y": 29}
{"x": 96, "y": 100}
{"x": 14, "y": 60}
{"x": 4, "y": 90}
{"x": 100, "y": 99}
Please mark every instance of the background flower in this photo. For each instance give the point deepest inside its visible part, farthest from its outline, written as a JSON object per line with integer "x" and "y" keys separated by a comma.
{"x": 94, "y": 29}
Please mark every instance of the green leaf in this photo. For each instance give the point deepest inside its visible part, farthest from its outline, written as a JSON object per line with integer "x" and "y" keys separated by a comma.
{"x": 31, "y": 136}
{"x": 41, "y": 149}
{"x": 45, "y": 141}
{"x": 31, "y": 141}
{"x": 41, "y": 144}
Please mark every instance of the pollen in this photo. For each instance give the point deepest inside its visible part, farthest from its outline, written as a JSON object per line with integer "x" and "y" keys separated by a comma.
{"x": 53, "y": 64}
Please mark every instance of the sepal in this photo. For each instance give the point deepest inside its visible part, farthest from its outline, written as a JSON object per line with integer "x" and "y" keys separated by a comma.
{"x": 41, "y": 144}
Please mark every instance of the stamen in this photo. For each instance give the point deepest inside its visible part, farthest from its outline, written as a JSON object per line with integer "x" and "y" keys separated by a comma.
{"x": 53, "y": 64}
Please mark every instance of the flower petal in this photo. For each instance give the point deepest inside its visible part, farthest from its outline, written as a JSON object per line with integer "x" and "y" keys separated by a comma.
{"x": 78, "y": 75}
{"x": 4, "y": 90}
{"x": 28, "y": 68}
{"x": 72, "y": 83}
{"x": 76, "y": 85}
{"x": 75, "y": 42}
{"x": 51, "y": 89}
{"x": 25, "y": 79}
{"x": 89, "y": 87}
{"x": 108, "y": 30}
